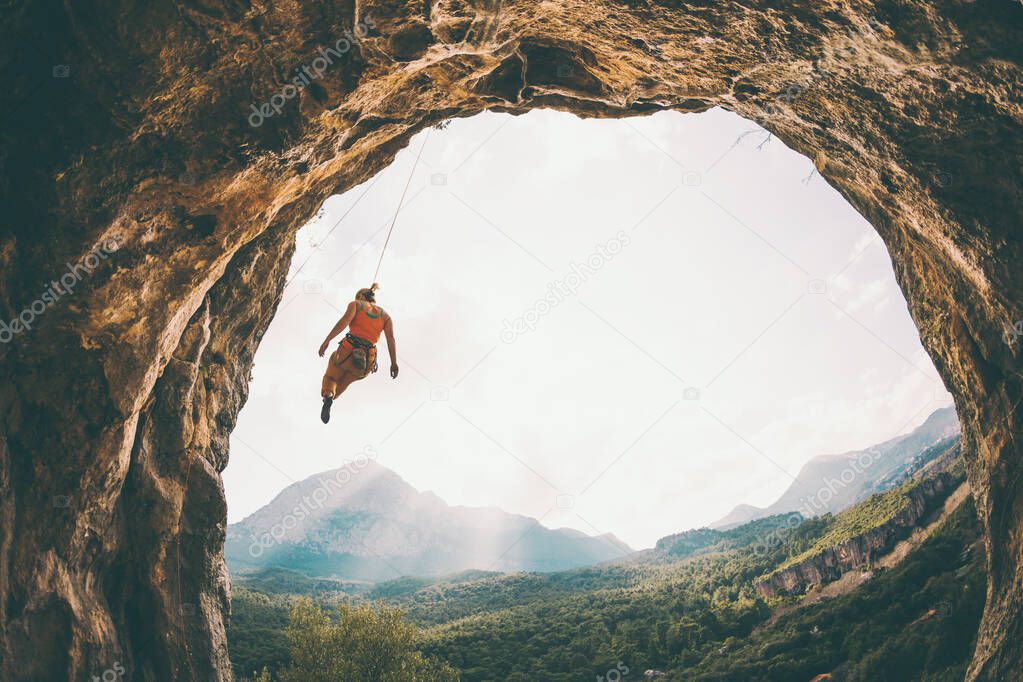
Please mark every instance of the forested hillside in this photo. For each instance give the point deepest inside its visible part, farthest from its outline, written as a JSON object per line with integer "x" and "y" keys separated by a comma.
{"x": 688, "y": 608}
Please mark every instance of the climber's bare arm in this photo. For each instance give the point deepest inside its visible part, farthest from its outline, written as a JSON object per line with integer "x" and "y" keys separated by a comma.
{"x": 339, "y": 327}
{"x": 391, "y": 348}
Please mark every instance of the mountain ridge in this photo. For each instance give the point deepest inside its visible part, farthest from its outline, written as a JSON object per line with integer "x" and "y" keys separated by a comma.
{"x": 363, "y": 521}
{"x": 826, "y": 473}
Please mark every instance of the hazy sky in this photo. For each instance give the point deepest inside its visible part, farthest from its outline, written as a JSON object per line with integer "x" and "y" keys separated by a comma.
{"x": 616, "y": 326}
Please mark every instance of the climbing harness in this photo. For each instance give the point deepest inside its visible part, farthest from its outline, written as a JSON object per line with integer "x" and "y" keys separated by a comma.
{"x": 362, "y": 351}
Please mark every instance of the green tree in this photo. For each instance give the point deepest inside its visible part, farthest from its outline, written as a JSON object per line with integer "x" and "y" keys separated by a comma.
{"x": 364, "y": 643}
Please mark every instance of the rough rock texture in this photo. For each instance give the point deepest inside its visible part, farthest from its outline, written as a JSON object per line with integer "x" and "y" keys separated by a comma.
{"x": 862, "y": 550}
{"x": 115, "y": 407}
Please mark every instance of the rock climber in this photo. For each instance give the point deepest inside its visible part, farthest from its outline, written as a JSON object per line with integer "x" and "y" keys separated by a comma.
{"x": 356, "y": 355}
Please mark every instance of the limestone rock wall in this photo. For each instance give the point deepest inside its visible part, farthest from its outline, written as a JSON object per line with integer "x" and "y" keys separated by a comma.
{"x": 166, "y": 145}
{"x": 862, "y": 550}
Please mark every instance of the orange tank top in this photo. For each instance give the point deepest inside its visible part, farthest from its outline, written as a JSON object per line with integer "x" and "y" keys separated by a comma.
{"x": 368, "y": 321}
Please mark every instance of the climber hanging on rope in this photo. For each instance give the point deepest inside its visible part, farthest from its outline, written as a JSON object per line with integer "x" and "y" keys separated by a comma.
{"x": 356, "y": 355}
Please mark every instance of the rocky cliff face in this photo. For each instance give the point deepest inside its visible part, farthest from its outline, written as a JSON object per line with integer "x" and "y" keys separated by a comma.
{"x": 860, "y": 551}
{"x": 158, "y": 157}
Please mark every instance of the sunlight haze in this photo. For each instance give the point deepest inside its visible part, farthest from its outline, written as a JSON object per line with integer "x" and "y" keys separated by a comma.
{"x": 625, "y": 326}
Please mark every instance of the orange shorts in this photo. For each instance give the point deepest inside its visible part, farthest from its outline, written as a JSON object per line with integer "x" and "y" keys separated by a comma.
{"x": 342, "y": 369}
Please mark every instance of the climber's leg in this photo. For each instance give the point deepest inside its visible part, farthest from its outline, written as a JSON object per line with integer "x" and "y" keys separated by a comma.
{"x": 336, "y": 388}
{"x": 338, "y": 367}
{"x": 328, "y": 387}
{"x": 348, "y": 373}
{"x": 340, "y": 374}
{"x": 347, "y": 380}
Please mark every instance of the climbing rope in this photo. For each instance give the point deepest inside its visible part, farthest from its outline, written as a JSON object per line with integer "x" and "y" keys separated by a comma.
{"x": 352, "y": 207}
{"x": 400, "y": 202}
{"x": 330, "y": 231}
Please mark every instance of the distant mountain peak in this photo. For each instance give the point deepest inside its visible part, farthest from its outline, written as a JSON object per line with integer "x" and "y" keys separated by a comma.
{"x": 830, "y": 483}
{"x": 742, "y": 513}
{"x": 363, "y": 521}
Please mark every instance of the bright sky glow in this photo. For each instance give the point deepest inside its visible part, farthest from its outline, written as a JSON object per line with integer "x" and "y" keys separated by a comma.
{"x": 747, "y": 320}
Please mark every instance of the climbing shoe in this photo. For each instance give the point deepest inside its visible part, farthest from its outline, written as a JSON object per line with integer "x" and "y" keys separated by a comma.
{"x": 325, "y": 410}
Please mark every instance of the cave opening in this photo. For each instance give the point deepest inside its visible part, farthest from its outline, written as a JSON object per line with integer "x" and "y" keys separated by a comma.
{"x": 473, "y": 270}
{"x": 117, "y": 408}
{"x": 672, "y": 313}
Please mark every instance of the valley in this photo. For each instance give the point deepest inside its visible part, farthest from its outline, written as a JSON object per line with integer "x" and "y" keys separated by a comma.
{"x": 892, "y": 582}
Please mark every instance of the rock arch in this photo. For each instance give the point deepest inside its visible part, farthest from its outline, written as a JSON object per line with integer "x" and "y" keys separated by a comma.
{"x": 171, "y": 141}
